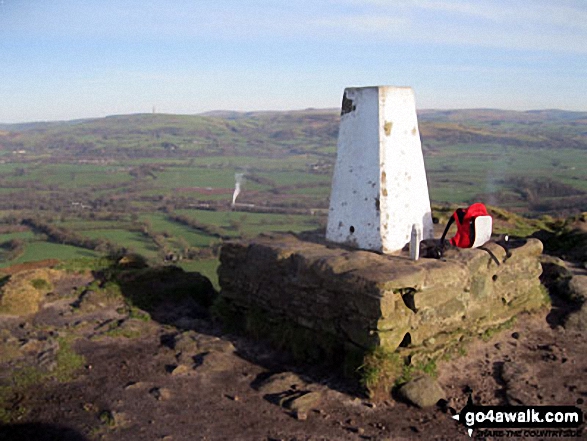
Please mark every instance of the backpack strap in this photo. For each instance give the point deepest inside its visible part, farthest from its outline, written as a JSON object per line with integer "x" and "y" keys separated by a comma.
{"x": 490, "y": 254}
{"x": 442, "y": 239}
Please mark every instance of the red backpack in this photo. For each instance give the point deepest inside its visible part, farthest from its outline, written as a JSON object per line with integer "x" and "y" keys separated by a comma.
{"x": 466, "y": 231}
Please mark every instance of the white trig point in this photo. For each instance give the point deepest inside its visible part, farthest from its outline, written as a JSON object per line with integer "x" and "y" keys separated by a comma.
{"x": 379, "y": 190}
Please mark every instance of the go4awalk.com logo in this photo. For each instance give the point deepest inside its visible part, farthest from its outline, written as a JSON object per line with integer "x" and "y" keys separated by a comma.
{"x": 521, "y": 421}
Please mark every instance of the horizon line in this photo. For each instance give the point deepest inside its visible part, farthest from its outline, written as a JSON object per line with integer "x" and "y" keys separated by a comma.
{"x": 319, "y": 109}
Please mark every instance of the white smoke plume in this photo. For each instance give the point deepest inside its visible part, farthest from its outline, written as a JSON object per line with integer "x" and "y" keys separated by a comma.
{"x": 239, "y": 179}
{"x": 495, "y": 176}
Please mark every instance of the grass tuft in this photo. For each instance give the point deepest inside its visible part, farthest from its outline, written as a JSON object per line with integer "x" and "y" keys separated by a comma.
{"x": 489, "y": 333}
{"x": 41, "y": 284}
{"x": 379, "y": 372}
{"x": 68, "y": 363}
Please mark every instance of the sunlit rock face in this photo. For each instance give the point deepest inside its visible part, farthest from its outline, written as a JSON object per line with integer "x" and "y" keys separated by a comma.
{"x": 363, "y": 300}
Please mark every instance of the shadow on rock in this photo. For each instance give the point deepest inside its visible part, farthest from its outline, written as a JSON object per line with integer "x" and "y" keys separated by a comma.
{"x": 496, "y": 373}
{"x": 566, "y": 298}
{"x": 168, "y": 294}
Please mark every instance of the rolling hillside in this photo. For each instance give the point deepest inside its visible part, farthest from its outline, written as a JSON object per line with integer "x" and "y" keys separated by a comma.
{"x": 162, "y": 185}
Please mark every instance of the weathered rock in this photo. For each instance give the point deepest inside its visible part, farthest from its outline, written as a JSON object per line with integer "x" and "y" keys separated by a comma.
{"x": 123, "y": 328}
{"x": 519, "y": 395}
{"x": 304, "y": 402}
{"x": 516, "y": 378}
{"x": 215, "y": 344}
{"x": 31, "y": 345}
{"x": 186, "y": 358}
{"x": 186, "y": 342}
{"x": 577, "y": 320}
{"x": 47, "y": 358}
{"x": 191, "y": 342}
{"x": 301, "y": 416}
{"x": 24, "y": 291}
{"x": 135, "y": 385}
{"x": 182, "y": 370}
{"x": 281, "y": 382}
{"x": 578, "y": 288}
{"x": 91, "y": 300}
{"x": 10, "y": 349}
{"x": 67, "y": 285}
{"x": 47, "y": 361}
{"x": 555, "y": 275}
{"x": 422, "y": 391}
{"x": 160, "y": 393}
{"x": 215, "y": 362}
{"x": 121, "y": 419}
{"x": 282, "y": 397}
{"x": 554, "y": 269}
{"x": 512, "y": 372}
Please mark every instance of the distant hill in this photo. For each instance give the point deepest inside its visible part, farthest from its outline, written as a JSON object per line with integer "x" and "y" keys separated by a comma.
{"x": 424, "y": 115}
{"x": 496, "y": 115}
{"x": 532, "y": 160}
{"x": 273, "y": 133}
{"x": 38, "y": 125}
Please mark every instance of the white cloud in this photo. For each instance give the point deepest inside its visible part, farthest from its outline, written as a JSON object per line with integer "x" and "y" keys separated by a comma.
{"x": 538, "y": 25}
{"x": 570, "y": 14}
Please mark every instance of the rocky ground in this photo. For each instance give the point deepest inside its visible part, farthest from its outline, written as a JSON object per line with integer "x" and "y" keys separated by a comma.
{"x": 86, "y": 366}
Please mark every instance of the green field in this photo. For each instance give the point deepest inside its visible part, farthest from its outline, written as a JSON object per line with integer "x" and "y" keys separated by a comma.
{"x": 194, "y": 177}
{"x": 161, "y": 224}
{"x": 37, "y": 250}
{"x": 79, "y": 225}
{"x": 237, "y": 223}
{"x": 19, "y": 235}
{"x": 206, "y": 267}
{"x": 135, "y": 242}
{"x": 70, "y": 175}
{"x": 296, "y": 177}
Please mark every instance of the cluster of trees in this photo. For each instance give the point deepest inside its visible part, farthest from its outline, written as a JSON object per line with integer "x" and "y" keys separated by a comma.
{"x": 211, "y": 230}
{"x": 181, "y": 249}
{"x": 533, "y": 189}
{"x": 145, "y": 170}
{"x": 68, "y": 237}
{"x": 561, "y": 206}
{"x": 539, "y": 195}
{"x": 12, "y": 248}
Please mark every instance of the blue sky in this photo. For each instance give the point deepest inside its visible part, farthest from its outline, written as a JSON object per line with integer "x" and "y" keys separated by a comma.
{"x": 66, "y": 59}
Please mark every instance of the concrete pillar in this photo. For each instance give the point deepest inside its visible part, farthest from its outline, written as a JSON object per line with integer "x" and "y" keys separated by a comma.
{"x": 379, "y": 188}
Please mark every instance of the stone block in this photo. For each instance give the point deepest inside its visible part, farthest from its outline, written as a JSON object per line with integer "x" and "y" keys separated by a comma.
{"x": 367, "y": 300}
{"x": 422, "y": 391}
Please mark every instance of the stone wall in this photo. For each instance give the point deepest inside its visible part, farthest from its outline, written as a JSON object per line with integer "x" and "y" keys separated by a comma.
{"x": 365, "y": 300}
